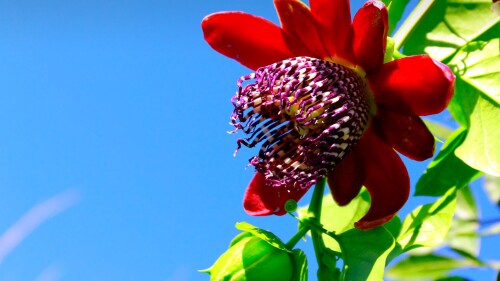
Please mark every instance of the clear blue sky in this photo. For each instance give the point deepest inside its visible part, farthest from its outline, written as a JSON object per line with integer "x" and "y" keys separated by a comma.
{"x": 125, "y": 105}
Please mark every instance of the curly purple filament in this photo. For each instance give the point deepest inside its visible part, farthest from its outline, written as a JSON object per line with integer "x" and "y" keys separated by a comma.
{"x": 306, "y": 113}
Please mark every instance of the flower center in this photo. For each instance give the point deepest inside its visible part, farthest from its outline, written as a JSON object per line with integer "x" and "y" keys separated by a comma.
{"x": 306, "y": 113}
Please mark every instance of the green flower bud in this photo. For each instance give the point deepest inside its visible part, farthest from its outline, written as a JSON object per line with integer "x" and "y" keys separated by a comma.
{"x": 249, "y": 258}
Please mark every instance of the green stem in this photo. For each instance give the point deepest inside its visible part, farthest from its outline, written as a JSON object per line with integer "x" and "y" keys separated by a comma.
{"x": 314, "y": 218}
{"x": 317, "y": 199}
{"x": 410, "y": 23}
{"x": 304, "y": 228}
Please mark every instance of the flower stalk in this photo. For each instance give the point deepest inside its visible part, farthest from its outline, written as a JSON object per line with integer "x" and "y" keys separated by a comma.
{"x": 303, "y": 229}
{"x": 314, "y": 217}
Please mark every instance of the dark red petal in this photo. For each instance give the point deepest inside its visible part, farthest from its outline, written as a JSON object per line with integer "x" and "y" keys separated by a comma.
{"x": 334, "y": 18}
{"x": 251, "y": 40}
{"x": 416, "y": 85}
{"x": 296, "y": 19}
{"x": 407, "y": 134}
{"x": 346, "y": 179}
{"x": 370, "y": 34}
{"x": 263, "y": 200}
{"x": 386, "y": 179}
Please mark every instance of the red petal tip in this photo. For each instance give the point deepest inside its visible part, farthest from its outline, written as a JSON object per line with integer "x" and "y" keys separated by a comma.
{"x": 387, "y": 180}
{"x": 263, "y": 200}
{"x": 370, "y": 26}
{"x": 253, "y": 41}
{"x": 415, "y": 85}
{"x": 346, "y": 180}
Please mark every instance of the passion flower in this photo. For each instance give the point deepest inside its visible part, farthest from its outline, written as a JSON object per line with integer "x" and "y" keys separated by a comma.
{"x": 323, "y": 103}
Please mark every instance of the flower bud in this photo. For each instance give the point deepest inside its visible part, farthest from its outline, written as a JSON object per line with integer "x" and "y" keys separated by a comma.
{"x": 249, "y": 258}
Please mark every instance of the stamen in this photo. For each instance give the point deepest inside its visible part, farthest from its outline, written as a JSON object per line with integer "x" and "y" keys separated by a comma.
{"x": 306, "y": 113}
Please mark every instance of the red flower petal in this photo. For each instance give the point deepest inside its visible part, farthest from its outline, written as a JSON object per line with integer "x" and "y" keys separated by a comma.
{"x": 370, "y": 34}
{"x": 251, "y": 40}
{"x": 346, "y": 180}
{"x": 407, "y": 134}
{"x": 297, "y": 20}
{"x": 263, "y": 200}
{"x": 334, "y": 18}
{"x": 386, "y": 179}
{"x": 416, "y": 85}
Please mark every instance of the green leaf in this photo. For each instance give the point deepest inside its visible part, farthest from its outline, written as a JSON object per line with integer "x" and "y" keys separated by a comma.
{"x": 395, "y": 10}
{"x": 394, "y": 228}
{"x": 428, "y": 225}
{"x": 365, "y": 253}
{"x": 340, "y": 219}
{"x": 251, "y": 258}
{"x": 449, "y": 25}
{"x": 476, "y": 104}
{"x": 452, "y": 278}
{"x": 492, "y": 230}
{"x": 463, "y": 236}
{"x": 425, "y": 267}
{"x": 477, "y": 67}
{"x": 239, "y": 237}
{"x": 299, "y": 261}
{"x": 446, "y": 170}
{"x": 265, "y": 235}
{"x": 492, "y": 186}
{"x": 478, "y": 64}
{"x": 480, "y": 150}
{"x": 440, "y": 131}
{"x": 463, "y": 102}
{"x": 327, "y": 268}
{"x": 472, "y": 258}
{"x": 466, "y": 204}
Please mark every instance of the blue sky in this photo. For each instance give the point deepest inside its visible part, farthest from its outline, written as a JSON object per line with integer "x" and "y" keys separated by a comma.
{"x": 123, "y": 108}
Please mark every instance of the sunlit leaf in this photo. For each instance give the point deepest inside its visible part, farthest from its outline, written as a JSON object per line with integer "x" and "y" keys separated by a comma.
{"x": 478, "y": 64}
{"x": 449, "y": 25}
{"x": 492, "y": 230}
{"x": 265, "y": 235}
{"x": 429, "y": 224}
{"x": 365, "y": 253}
{"x": 331, "y": 243}
{"x": 492, "y": 186}
{"x": 299, "y": 261}
{"x": 466, "y": 204}
{"x": 463, "y": 102}
{"x": 394, "y": 228}
{"x": 253, "y": 257}
{"x": 446, "y": 170}
{"x": 425, "y": 267}
{"x": 476, "y": 104}
{"x": 471, "y": 257}
{"x": 463, "y": 234}
{"x": 480, "y": 150}
{"x": 439, "y": 130}
{"x": 340, "y": 219}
